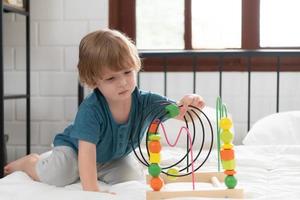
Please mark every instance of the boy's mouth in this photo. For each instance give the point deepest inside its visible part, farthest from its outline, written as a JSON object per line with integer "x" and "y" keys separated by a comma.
{"x": 123, "y": 92}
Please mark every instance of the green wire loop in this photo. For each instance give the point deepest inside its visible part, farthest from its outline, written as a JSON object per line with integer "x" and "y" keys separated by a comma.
{"x": 221, "y": 111}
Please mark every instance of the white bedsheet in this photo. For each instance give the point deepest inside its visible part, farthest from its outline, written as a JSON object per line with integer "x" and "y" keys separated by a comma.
{"x": 264, "y": 172}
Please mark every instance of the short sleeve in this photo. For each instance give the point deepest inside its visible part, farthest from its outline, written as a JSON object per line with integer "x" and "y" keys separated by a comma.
{"x": 87, "y": 124}
{"x": 154, "y": 99}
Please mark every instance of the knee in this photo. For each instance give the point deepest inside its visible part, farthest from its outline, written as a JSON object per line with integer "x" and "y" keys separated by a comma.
{"x": 65, "y": 176}
{"x": 33, "y": 157}
{"x": 31, "y": 160}
{"x": 61, "y": 176}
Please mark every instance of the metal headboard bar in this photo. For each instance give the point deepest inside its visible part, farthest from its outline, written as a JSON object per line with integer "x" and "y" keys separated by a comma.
{"x": 2, "y": 142}
{"x": 277, "y": 83}
{"x": 165, "y": 75}
{"x": 249, "y": 93}
{"x": 221, "y": 63}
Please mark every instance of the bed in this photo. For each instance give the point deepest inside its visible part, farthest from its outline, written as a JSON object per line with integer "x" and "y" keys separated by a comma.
{"x": 265, "y": 169}
{"x": 264, "y": 172}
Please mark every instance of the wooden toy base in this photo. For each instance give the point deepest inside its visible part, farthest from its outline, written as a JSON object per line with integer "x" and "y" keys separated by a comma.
{"x": 206, "y": 177}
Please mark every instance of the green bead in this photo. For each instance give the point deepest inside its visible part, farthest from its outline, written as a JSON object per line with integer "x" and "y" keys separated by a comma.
{"x": 154, "y": 170}
{"x": 226, "y": 136}
{"x": 154, "y": 137}
{"x": 230, "y": 182}
{"x": 172, "y": 110}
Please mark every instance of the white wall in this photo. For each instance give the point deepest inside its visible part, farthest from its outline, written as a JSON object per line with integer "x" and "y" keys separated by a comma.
{"x": 55, "y": 35}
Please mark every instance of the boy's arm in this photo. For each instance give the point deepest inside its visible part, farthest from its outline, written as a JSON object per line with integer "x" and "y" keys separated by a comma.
{"x": 88, "y": 166}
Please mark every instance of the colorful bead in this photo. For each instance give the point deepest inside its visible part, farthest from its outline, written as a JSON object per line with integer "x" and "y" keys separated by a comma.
{"x": 154, "y": 137}
{"x": 228, "y": 164}
{"x": 154, "y": 146}
{"x": 230, "y": 182}
{"x": 154, "y": 169}
{"x": 229, "y": 172}
{"x": 226, "y": 136}
{"x": 172, "y": 110}
{"x": 225, "y": 123}
{"x": 227, "y": 154}
{"x": 156, "y": 183}
{"x": 153, "y": 127}
{"x": 173, "y": 171}
{"x": 227, "y": 146}
{"x": 154, "y": 158}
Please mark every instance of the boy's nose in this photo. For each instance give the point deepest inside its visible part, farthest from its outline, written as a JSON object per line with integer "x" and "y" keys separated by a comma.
{"x": 122, "y": 81}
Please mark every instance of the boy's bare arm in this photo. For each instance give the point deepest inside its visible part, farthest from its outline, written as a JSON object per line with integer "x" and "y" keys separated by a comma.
{"x": 87, "y": 166}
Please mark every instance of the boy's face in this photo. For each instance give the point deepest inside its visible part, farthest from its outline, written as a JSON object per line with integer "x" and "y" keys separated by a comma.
{"x": 117, "y": 85}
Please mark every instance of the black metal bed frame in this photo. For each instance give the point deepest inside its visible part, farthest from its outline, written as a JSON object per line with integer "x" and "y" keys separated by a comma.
{"x": 4, "y": 7}
{"x": 221, "y": 55}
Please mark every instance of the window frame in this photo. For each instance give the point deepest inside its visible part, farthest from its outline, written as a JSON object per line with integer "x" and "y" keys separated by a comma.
{"x": 122, "y": 17}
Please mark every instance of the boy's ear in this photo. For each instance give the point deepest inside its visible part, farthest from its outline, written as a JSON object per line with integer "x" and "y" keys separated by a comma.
{"x": 94, "y": 85}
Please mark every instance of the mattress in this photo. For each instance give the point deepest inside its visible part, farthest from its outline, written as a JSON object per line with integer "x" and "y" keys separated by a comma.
{"x": 263, "y": 172}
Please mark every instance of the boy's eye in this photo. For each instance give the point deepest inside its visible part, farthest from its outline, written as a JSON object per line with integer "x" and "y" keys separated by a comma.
{"x": 128, "y": 72}
{"x": 110, "y": 79}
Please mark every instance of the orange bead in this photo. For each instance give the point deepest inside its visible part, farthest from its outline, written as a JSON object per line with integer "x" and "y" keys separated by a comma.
{"x": 154, "y": 146}
{"x": 229, "y": 172}
{"x": 227, "y": 154}
{"x": 153, "y": 127}
{"x": 156, "y": 183}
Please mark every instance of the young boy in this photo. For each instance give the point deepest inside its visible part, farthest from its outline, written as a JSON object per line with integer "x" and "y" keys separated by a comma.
{"x": 97, "y": 145}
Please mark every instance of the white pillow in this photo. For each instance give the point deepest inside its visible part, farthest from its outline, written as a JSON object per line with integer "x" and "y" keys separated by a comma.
{"x": 173, "y": 127}
{"x": 276, "y": 129}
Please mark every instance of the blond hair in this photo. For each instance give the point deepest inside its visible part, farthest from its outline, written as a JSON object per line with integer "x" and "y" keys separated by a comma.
{"x": 105, "y": 48}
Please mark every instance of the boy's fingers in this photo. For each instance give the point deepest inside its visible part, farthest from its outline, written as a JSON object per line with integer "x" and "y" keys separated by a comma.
{"x": 182, "y": 111}
{"x": 196, "y": 101}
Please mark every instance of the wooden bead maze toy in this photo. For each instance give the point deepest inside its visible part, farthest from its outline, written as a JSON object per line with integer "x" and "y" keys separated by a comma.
{"x": 161, "y": 175}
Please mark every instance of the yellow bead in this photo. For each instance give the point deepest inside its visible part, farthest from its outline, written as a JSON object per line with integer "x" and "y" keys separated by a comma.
{"x": 154, "y": 158}
{"x": 226, "y": 136}
{"x": 154, "y": 137}
{"x": 225, "y": 123}
{"x": 227, "y": 146}
{"x": 173, "y": 171}
{"x": 228, "y": 164}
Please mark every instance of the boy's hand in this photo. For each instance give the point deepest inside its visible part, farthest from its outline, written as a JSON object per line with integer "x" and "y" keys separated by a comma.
{"x": 187, "y": 100}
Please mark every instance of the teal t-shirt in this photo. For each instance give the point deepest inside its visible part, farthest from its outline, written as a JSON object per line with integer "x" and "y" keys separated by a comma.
{"x": 94, "y": 123}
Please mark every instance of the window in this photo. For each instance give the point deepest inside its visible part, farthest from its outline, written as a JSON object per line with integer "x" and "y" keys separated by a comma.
{"x": 184, "y": 24}
{"x": 160, "y": 24}
{"x": 209, "y": 24}
{"x": 279, "y": 21}
{"x": 216, "y": 24}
